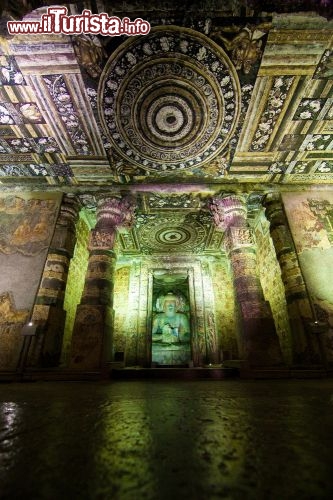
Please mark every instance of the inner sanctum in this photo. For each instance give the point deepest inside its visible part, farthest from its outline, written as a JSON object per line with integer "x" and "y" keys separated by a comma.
{"x": 215, "y": 281}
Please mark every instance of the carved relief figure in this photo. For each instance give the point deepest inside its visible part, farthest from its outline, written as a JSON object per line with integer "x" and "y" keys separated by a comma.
{"x": 89, "y": 53}
{"x": 245, "y": 47}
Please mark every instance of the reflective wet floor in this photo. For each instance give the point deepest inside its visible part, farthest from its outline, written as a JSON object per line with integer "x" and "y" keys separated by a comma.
{"x": 167, "y": 440}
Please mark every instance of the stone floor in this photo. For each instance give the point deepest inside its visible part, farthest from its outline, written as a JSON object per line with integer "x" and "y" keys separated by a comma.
{"x": 167, "y": 440}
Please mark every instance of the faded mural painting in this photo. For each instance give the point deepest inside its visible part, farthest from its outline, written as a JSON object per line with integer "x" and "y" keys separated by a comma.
{"x": 310, "y": 217}
{"x": 11, "y": 321}
{"x": 26, "y": 225}
{"x": 26, "y": 228}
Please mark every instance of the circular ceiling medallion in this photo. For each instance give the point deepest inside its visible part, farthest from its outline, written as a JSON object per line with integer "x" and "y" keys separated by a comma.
{"x": 170, "y": 234}
{"x": 169, "y": 100}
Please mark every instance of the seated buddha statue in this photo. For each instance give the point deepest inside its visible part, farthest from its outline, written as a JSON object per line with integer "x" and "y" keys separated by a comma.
{"x": 170, "y": 326}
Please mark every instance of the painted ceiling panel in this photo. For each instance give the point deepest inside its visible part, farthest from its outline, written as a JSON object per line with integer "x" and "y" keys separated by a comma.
{"x": 218, "y": 93}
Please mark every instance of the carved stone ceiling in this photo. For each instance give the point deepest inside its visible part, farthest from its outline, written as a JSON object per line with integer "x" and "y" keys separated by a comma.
{"x": 223, "y": 95}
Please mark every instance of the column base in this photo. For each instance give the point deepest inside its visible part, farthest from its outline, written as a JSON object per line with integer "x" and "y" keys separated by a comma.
{"x": 90, "y": 332}
{"x": 46, "y": 347}
{"x": 261, "y": 343}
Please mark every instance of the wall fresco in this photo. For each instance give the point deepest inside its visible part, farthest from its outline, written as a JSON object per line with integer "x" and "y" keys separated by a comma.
{"x": 11, "y": 322}
{"x": 310, "y": 218}
{"x": 8, "y": 312}
{"x": 26, "y": 225}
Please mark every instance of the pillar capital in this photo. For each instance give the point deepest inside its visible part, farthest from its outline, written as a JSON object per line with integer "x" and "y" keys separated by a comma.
{"x": 112, "y": 211}
{"x": 69, "y": 210}
{"x": 229, "y": 210}
{"x": 274, "y": 209}
{"x": 64, "y": 233}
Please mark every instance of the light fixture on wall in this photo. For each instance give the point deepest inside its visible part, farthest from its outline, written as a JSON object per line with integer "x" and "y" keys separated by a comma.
{"x": 320, "y": 329}
{"x": 29, "y": 329}
{"x": 28, "y": 332}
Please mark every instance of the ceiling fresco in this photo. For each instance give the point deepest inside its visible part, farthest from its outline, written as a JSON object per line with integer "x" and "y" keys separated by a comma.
{"x": 170, "y": 100}
{"x": 223, "y": 92}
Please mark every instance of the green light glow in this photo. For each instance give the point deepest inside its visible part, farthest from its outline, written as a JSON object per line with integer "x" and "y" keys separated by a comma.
{"x": 272, "y": 285}
{"x": 75, "y": 284}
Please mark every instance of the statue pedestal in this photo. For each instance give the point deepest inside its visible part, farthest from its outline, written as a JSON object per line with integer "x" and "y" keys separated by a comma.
{"x": 171, "y": 354}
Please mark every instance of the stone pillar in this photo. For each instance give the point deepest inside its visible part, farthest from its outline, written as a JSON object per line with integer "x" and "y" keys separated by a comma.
{"x": 305, "y": 349}
{"x": 259, "y": 340}
{"x": 212, "y": 340}
{"x": 48, "y": 312}
{"x": 92, "y": 333}
{"x": 197, "y": 318}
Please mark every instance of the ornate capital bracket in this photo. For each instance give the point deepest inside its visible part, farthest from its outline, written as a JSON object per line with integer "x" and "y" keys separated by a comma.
{"x": 113, "y": 212}
{"x": 229, "y": 210}
{"x": 101, "y": 239}
{"x": 239, "y": 237}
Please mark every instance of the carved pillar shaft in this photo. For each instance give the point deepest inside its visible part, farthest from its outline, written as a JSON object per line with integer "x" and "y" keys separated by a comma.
{"x": 196, "y": 322}
{"x": 299, "y": 306}
{"x": 92, "y": 334}
{"x": 48, "y": 312}
{"x": 212, "y": 340}
{"x": 259, "y": 341}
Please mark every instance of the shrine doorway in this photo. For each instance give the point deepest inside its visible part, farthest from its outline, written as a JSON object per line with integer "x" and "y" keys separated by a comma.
{"x": 170, "y": 324}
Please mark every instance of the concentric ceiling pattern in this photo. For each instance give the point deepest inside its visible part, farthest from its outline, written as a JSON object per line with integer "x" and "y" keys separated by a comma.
{"x": 171, "y": 234}
{"x": 169, "y": 100}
